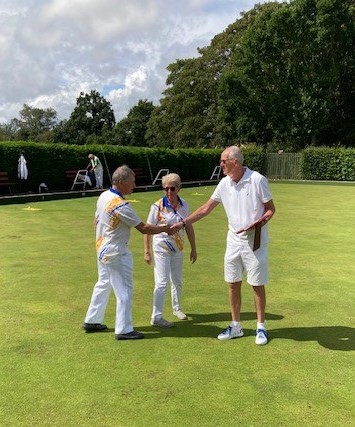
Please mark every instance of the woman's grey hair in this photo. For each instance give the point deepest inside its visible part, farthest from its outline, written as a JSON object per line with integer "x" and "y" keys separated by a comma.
{"x": 235, "y": 152}
{"x": 122, "y": 173}
{"x": 171, "y": 178}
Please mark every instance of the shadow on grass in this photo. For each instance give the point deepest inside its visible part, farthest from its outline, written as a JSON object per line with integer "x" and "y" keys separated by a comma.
{"x": 341, "y": 338}
{"x": 196, "y": 326}
{"x": 332, "y": 337}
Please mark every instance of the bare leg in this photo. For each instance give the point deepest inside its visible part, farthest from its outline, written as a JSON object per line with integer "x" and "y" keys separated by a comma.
{"x": 235, "y": 300}
{"x": 260, "y": 302}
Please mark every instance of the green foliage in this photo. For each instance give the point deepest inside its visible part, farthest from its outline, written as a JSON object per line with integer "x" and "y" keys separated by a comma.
{"x": 92, "y": 117}
{"x": 34, "y": 124}
{"x": 48, "y": 162}
{"x": 336, "y": 164}
{"x": 292, "y": 77}
{"x": 188, "y": 114}
{"x": 131, "y": 130}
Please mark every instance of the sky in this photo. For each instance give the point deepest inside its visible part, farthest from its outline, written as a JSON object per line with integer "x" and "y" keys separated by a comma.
{"x": 51, "y": 50}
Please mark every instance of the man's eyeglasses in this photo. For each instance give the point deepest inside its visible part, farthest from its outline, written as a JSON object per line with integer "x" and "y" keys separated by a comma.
{"x": 224, "y": 161}
{"x": 170, "y": 188}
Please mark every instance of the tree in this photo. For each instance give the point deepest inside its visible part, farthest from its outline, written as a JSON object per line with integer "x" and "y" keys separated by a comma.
{"x": 34, "y": 123}
{"x": 92, "y": 117}
{"x": 293, "y": 76}
{"x": 188, "y": 114}
{"x": 132, "y": 129}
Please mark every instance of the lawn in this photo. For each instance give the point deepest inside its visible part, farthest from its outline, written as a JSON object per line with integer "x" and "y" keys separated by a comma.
{"x": 53, "y": 374}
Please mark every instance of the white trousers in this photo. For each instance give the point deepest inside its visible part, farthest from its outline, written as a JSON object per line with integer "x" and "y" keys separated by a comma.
{"x": 119, "y": 277}
{"x": 167, "y": 270}
{"x": 99, "y": 177}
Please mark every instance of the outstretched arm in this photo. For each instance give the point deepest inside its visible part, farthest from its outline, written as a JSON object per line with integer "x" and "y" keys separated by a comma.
{"x": 199, "y": 213}
{"x": 191, "y": 236}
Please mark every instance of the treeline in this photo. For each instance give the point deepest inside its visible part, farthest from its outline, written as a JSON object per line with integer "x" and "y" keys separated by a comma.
{"x": 281, "y": 76}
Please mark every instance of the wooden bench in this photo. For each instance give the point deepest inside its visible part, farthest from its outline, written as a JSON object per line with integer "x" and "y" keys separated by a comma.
{"x": 5, "y": 182}
{"x": 141, "y": 176}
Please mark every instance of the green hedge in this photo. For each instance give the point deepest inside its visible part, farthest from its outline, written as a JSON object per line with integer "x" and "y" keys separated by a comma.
{"x": 48, "y": 162}
{"x": 333, "y": 164}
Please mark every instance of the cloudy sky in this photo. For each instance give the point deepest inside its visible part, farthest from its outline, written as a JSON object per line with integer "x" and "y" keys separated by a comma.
{"x": 51, "y": 50}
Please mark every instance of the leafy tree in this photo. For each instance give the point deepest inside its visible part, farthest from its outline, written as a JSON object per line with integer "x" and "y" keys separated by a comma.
{"x": 8, "y": 131}
{"x": 293, "y": 76}
{"x": 131, "y": 130}
{"x": 92, "y": 117}
{"x": 188, "y": 114}
{"x": 34, "y": 123}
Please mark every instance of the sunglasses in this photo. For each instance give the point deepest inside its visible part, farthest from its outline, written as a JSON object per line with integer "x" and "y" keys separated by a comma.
{"x": 170, "y": 188}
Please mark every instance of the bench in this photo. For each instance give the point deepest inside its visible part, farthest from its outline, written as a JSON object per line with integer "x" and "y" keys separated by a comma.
{"x": 141, "y": 176}
{"x": 5, "y": 182}
{"x": 70, "y": 176}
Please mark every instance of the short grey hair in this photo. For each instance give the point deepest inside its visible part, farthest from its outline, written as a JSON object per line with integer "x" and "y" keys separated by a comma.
{"x": 122, "y": 173}
{"x": 171, "y": 178}
{"x": 235, "y": 153}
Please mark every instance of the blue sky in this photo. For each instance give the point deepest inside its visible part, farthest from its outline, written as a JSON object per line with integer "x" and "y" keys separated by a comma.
{"x": 51, "y": 50}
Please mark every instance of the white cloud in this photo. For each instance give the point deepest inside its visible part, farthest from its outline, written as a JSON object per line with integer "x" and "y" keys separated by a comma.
{"x": 51, "y": 50}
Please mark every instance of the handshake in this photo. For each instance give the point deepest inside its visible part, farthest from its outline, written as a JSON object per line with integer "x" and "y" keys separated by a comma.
{"x": 172, "y": 229}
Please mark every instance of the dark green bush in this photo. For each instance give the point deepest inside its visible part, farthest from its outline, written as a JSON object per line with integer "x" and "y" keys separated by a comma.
{"x": 48, "y": 162}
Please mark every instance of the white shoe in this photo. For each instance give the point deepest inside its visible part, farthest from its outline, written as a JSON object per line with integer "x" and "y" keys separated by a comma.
{"x": 261, "y": 337}
{"x": 180, "y": 315}
{"x": 231, "y": 332}
{"x": 162, "y": 323}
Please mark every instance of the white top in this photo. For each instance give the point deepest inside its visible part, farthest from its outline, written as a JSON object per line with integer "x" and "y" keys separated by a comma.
{"x": 162, "y": 213}
{"x": 112, "y": 232}
{"x": 244, "y": 201}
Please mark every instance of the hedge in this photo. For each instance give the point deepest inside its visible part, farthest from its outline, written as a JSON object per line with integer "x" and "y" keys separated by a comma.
{"x": 329, "y": 164}
{"x": 48, "y": 162}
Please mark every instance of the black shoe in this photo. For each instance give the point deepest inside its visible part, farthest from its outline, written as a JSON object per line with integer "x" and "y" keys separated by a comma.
{"x": 134, "y": 335}
{"x": 94, "y": 327}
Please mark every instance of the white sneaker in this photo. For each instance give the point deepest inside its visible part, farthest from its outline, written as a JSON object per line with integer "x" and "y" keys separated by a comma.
{"x": 230, "y": 332}
{"x": 162, "y": 323}
{"x": 180, "y": 315}
{"x": 261, "y": 337}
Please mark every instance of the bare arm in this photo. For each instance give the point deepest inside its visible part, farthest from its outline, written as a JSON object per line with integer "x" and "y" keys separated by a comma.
{"x": 269, "y": 211}
{"x": 154, "y": 229}
{"x": 191, "y": 236}
{"x": 147, "y": 251}
{"x": 199, "y": 213}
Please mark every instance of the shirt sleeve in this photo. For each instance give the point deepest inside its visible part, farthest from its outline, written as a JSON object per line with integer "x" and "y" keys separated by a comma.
{"x": 153, "y": 215}
{"x": 265, "y": 192}
{"x": 127, "y": 215}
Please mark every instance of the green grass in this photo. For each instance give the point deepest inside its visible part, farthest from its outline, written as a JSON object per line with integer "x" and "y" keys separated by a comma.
{"x": 53, "y": 374}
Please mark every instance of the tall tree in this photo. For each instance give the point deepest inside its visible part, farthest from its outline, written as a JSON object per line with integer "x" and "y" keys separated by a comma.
{"x": 92, "y": 117}
{"x": 132, "y": 129}
{"x": 187, "y": 115}
{"x": 34, "y": 123}
{"x": 293, "y": 76}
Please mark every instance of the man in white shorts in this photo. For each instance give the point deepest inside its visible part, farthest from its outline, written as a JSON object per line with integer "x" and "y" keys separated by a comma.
{"x": 114, "y": 219}
{"x": 247, "y": 201}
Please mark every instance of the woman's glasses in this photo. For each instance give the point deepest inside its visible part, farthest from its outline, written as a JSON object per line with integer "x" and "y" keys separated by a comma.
{"x": 170, "y": 188}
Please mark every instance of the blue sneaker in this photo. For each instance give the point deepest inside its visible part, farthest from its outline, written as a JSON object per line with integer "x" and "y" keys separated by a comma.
{"x": 261, "y": 337}
{"x": 230, "y": 332}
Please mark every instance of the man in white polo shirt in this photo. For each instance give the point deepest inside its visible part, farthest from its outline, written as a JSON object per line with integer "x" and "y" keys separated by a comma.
{"x": 248, "y": 204}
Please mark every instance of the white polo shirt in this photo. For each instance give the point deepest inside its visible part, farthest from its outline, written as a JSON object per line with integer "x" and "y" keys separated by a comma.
{"x": 162, "y": 213}
{"x": 112, "y": 232}
{"x": 243, "y": 201}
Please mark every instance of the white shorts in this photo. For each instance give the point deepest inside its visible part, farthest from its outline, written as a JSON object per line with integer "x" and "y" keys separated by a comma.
{"x": 240, "y": 258}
